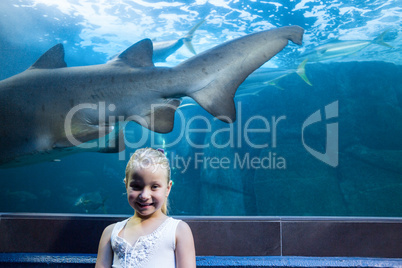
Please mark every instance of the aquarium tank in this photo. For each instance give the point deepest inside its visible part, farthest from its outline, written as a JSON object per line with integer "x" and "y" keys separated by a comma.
{"x": 318, "y": 129}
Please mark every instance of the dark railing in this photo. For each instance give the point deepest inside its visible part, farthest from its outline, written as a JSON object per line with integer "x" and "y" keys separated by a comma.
{"x": 219, "y": 240}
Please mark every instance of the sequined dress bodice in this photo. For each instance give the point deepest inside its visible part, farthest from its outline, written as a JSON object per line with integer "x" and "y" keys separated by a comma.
{"x": 149, "y": 251}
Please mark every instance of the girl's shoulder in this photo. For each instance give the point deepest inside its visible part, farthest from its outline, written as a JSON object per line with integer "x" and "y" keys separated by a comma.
{"x": 174, "y": 223}
{"x": 109, "y": 229}
{"x": 185, "y": 250}
{"x": 177, "y": 221}
{"x": 183, "y": 229}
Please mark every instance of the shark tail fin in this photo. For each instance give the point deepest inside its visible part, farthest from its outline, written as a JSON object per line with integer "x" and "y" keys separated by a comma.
{"x": 189, "y": 37}
{"x": 379, "y": 40}
{"x": 301, "y": 71}
{"x": 217, "y": 98}
{"x": 218, "y": 80}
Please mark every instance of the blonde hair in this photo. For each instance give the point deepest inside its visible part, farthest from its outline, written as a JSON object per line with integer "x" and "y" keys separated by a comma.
{"x": 146, "y": 157}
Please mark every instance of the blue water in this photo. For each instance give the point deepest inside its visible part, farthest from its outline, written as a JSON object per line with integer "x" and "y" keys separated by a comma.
{"x": 272, "y": 161}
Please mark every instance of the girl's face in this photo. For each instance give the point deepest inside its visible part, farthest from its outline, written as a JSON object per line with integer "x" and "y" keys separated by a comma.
{"x": 147, "y": 190}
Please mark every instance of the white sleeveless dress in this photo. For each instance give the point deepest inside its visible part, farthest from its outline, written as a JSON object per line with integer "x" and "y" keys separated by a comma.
{"x": 156, "y": 250}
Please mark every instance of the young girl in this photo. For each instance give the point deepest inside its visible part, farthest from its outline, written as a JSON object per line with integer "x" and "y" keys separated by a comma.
{"x": 149, "y": 238}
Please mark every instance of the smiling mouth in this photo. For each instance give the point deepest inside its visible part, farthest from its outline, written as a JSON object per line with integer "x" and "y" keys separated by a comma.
{"x": 143, "y": 205}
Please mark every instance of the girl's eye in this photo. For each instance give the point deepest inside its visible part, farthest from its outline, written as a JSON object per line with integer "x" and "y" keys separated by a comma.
{"x": 135, "y": 187}
{"x": 155, "y": 187}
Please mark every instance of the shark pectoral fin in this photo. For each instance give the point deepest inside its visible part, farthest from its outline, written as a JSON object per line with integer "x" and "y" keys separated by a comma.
{"x": 76, "y": 139}
{"x": 83, "y": 136}
{"x": 161, "y": 116}
{"x": 301, "y": 71}
{"x": 103, "y": 140}
{"x": 138, "y": 55}
{"x": 53, "y": 58}
{"x": 113, "y": 142}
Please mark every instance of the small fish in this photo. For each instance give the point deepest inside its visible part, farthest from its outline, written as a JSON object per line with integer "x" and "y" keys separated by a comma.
{"x": 164, "y": 49}
{"x": 300, "y": 71}
{"x": 22, "y": 196}
{"x": 91, "y": 202}
{"x": 339, "y": 48}
{"x": 258, "y": 80}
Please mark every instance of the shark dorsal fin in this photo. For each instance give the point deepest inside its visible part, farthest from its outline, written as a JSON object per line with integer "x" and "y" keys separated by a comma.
{"x": 53, "y": 58}
{"x": 138, "y": 55}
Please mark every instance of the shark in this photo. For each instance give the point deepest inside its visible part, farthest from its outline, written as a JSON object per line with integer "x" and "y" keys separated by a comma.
{"x": 51, "y": 110}
{"x": 163, "y": 49}
{"x": 342, "y": 48}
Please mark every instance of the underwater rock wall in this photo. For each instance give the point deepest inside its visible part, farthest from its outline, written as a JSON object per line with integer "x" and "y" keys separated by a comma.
{"x": 365, "y": 182}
